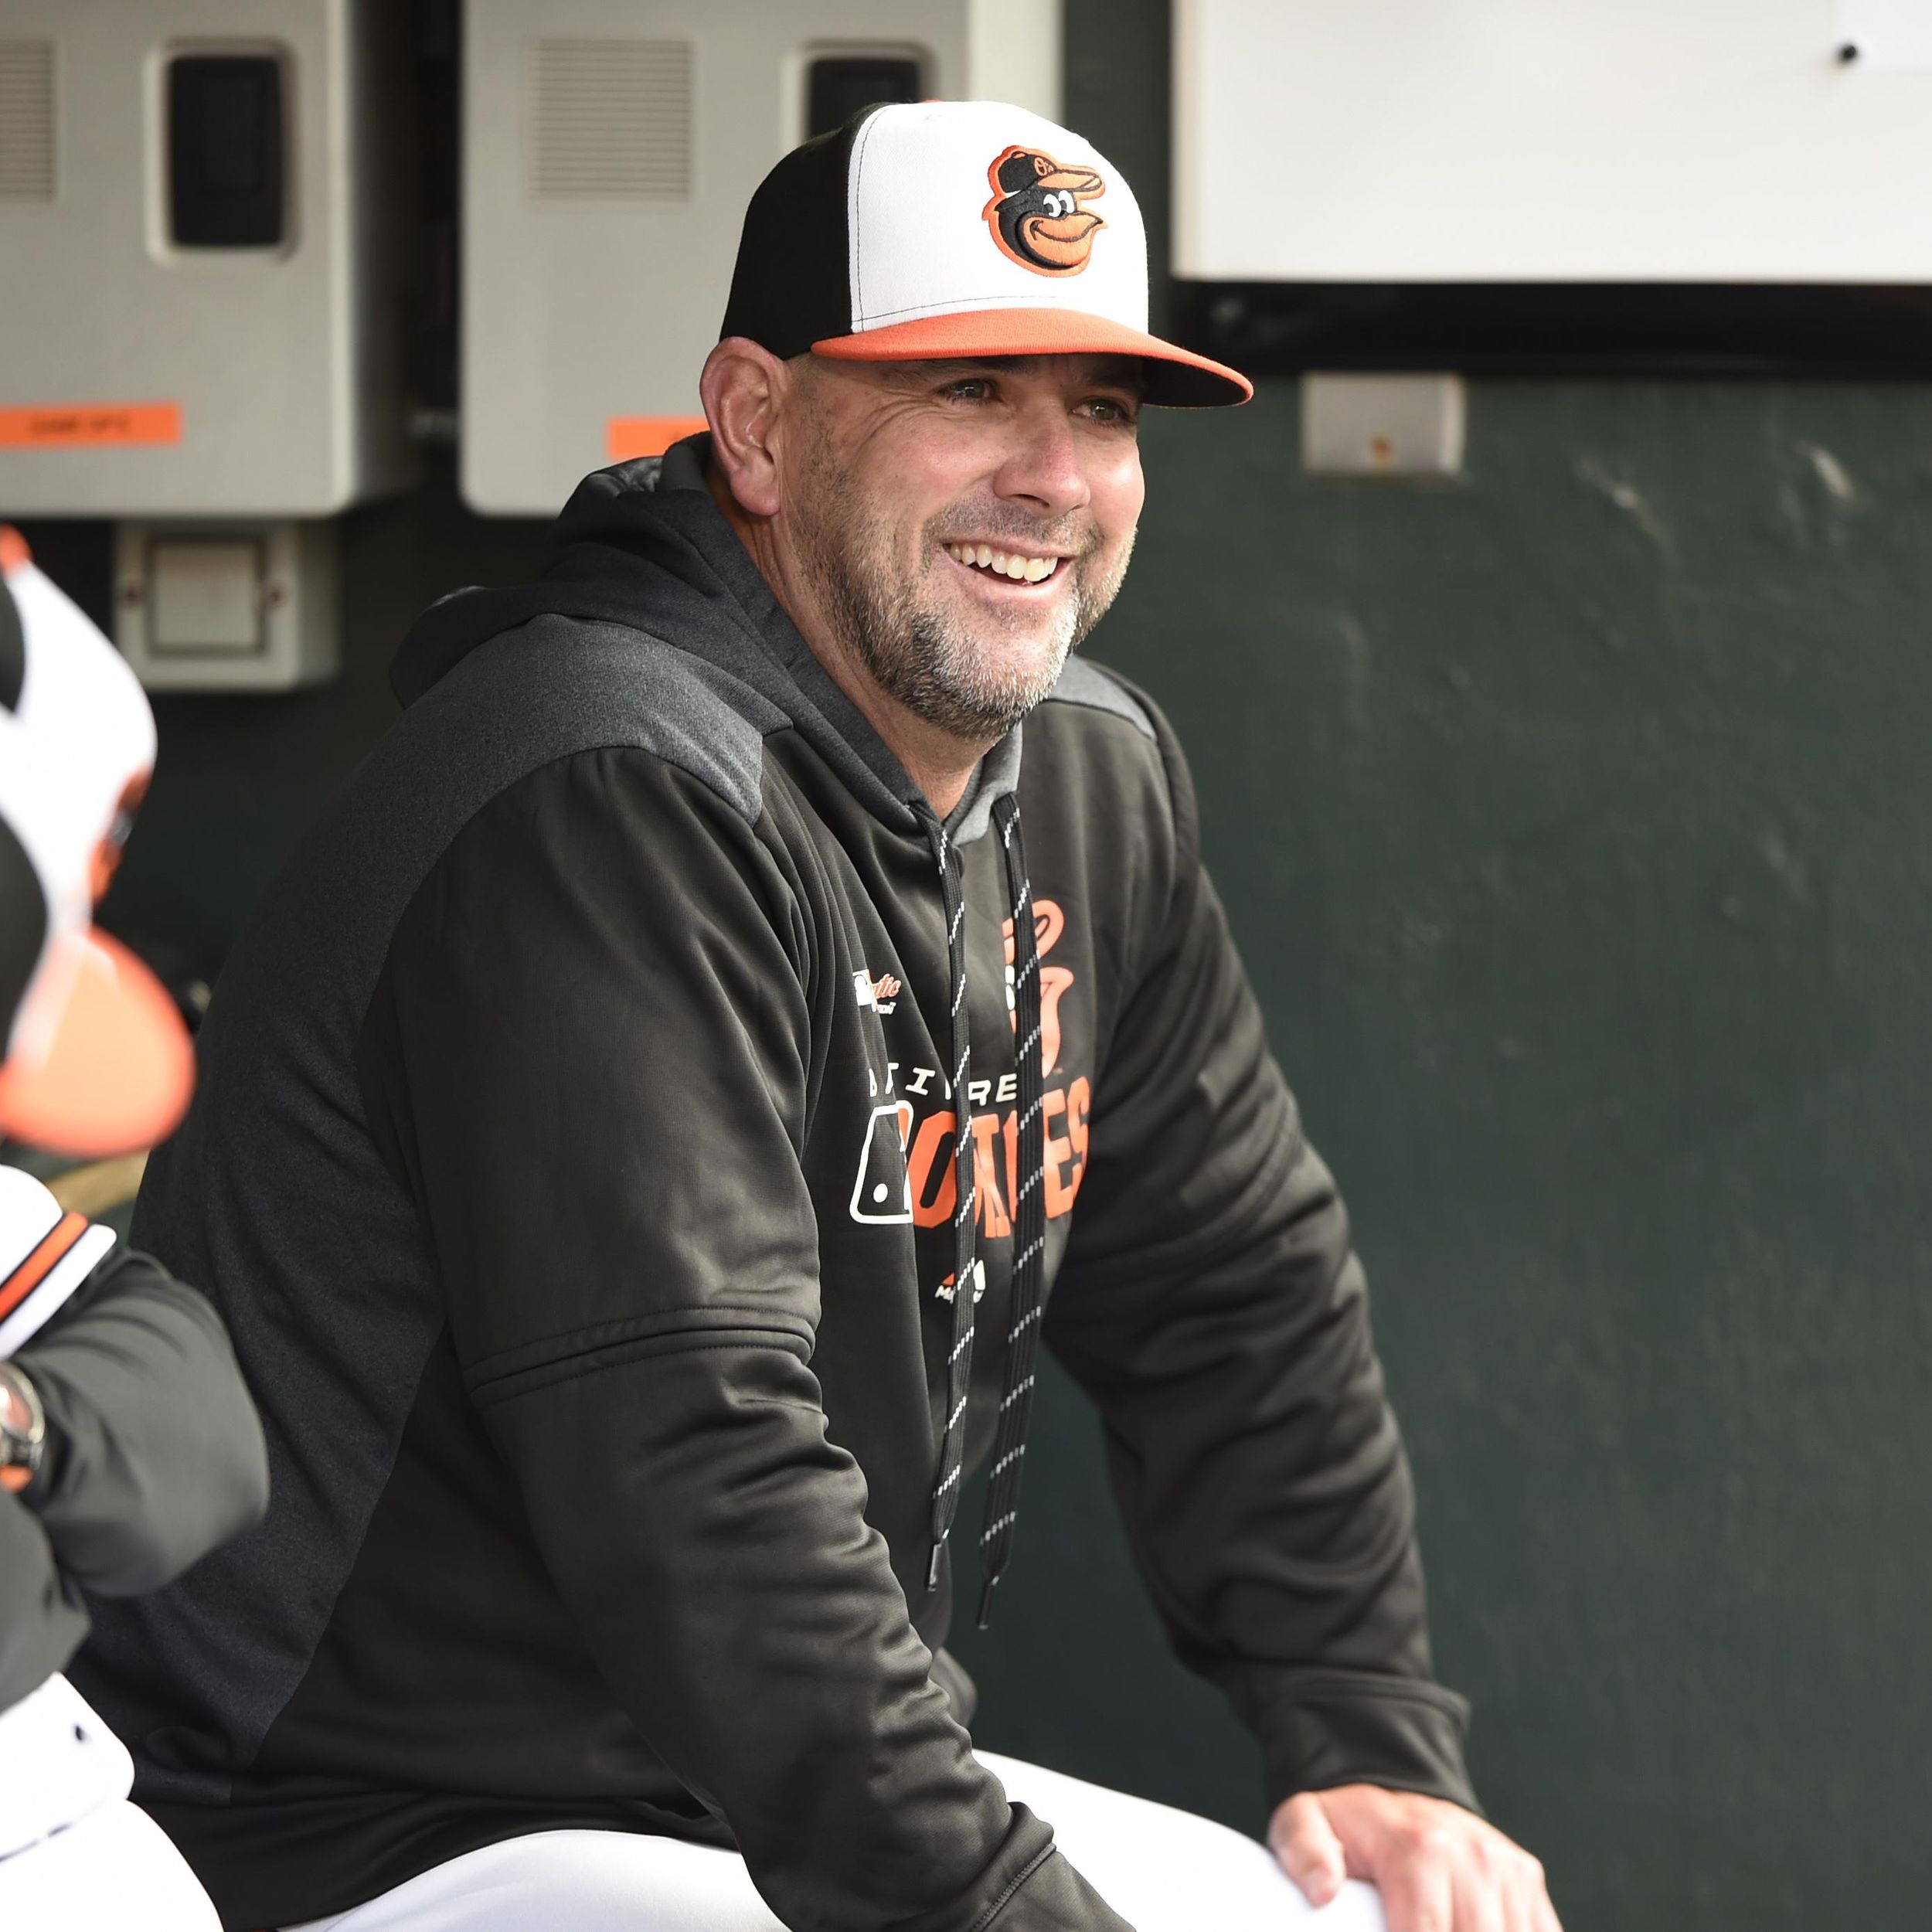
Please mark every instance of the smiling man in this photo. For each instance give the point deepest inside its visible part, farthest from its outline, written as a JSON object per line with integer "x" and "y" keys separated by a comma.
{"x": 762, "y": 986}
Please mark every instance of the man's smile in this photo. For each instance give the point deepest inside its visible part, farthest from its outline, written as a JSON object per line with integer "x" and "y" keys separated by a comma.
{"x": 1017, "y": 567}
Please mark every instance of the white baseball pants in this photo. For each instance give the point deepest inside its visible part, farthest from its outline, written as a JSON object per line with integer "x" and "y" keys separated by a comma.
{"x": 74, "y": 1853}
{"x": 1162, "y": 1870}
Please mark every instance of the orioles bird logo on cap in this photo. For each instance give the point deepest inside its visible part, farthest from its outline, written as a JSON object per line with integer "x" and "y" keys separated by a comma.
{"x": 1035, "y": 214}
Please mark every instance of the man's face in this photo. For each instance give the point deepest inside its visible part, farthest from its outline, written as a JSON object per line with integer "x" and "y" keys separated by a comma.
{"x": 902, "y": 477}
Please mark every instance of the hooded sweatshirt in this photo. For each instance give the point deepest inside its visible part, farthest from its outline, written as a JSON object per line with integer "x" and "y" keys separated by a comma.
{"x": 577, "y": 1162}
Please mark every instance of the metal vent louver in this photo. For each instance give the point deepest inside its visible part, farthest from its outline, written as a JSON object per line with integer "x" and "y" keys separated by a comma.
{"x": 26, "y": 120}
{"x": 612, "y": 121}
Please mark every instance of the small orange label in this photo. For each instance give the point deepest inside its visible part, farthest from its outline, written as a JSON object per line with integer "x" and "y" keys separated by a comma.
{"x": 625, "y": 436}
{"x": 77, "y": 426}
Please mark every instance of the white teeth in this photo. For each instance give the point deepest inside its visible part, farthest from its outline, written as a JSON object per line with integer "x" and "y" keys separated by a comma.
{"x": 1022, "y": 569}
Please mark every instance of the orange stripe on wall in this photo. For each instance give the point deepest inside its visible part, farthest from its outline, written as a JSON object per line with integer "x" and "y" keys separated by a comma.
{"x": 625, "y": 436}
{"x": 53, "y": 426}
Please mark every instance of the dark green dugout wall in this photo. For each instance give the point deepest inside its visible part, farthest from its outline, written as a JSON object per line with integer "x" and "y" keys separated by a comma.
{"x": 1576, "y": 821}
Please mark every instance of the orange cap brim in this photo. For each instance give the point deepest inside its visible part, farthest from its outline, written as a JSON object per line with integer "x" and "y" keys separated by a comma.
{"x": 1177, "y": 378}
{"x": 117, "y": 1074}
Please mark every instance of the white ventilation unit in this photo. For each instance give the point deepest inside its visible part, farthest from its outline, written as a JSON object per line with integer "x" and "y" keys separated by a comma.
{"x": 610, "y": 119}
{"x": 610, "y": 148}
{"x": 199, "y": 219}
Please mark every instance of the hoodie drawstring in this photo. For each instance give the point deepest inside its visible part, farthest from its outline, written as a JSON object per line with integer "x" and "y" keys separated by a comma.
{"x": 959, "y": 1363}
{"x": 1029, "y": 1216}
{"x": 1029, "y": 1225}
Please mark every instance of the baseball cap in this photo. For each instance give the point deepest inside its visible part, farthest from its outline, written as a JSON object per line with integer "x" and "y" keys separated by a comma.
{"x": 955, "y": 228}
{"x": 96, "y": 1060}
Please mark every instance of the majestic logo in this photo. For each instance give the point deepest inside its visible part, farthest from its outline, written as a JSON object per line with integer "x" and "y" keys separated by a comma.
{"x": 881, "y": 994}
{"x": 1035, "y": 214}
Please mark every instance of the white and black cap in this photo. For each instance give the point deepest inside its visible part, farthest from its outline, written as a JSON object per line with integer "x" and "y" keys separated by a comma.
{"x": 956, "y": 228}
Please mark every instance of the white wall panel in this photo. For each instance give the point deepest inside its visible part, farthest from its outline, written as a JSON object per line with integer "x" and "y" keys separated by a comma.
{"x": 1545, "y": 140}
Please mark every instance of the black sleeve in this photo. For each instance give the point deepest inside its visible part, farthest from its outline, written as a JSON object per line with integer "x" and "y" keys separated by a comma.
{"x": 155, "y": 1453}
{"x": 1211, "y": 1305}
{"x": 43, "y": 1621}
{"x": 595, "y": 1082}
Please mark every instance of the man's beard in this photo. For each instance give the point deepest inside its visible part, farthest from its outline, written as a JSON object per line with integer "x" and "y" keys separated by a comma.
{"x": 918, "y": 651}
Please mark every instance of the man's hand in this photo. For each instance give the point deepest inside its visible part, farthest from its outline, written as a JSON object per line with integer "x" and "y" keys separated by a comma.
{"x": 1439, "y": 1869}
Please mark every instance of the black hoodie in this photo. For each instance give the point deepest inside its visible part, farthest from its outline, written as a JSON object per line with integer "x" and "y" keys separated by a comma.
{"x": 573, "y": 1163}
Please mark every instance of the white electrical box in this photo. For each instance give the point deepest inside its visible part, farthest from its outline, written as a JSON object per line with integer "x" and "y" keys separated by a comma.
{"x": 221, "y": 605}
{"x": 201, "y": 205}
{"x": 610, "y": 148}
{"x": 1405, "y": 425}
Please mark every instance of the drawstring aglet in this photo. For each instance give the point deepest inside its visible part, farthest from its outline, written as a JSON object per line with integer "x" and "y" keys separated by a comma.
{"x": 932, "y": 1568}
{"x": 986, "y": 1601}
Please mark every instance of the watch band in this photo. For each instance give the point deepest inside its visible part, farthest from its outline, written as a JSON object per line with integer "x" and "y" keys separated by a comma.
{"x": 21, "y": 1444}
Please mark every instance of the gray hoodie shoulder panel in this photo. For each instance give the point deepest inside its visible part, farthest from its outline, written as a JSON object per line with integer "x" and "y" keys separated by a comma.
{"x": 557, "y": 685}
{"x": 1084, "y": 682}
{"x": 625, "y": 687}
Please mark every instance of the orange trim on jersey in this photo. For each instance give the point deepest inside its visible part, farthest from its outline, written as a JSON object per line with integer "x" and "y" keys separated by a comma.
{"x": 1021, "y": 331}
{"x": 41, "y": 1262}
{"x": 70, "y": 426}
{"x": 14, "y": 553}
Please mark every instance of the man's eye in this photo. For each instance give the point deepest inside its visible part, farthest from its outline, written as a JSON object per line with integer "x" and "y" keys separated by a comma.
{"x": 970, "y": 388}
{"x": 1107, "y": 409}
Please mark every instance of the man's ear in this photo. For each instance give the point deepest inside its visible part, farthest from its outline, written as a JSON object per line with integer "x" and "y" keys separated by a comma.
{"x": 743, "y": 387}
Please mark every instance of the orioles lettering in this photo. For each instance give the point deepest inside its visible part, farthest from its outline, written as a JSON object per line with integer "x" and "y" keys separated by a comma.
{"x": 930, "y": 1168}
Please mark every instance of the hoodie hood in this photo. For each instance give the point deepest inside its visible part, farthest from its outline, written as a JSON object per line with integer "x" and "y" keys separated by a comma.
{"x": 642, "y": 544}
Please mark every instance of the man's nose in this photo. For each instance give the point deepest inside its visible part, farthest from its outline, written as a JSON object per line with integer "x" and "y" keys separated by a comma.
{"x": 1043, "y": 469}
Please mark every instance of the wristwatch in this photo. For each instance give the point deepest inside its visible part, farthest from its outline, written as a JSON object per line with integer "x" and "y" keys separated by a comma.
{"x": 23, "y": 1428}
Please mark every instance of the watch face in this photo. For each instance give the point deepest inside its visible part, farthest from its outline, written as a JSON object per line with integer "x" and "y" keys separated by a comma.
{"x": 22, "y": 1429}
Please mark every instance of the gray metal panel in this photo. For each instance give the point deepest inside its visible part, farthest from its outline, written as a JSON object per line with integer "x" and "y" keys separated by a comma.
{"x": 601, "y": 206}
{"x": 271, "y": 355}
